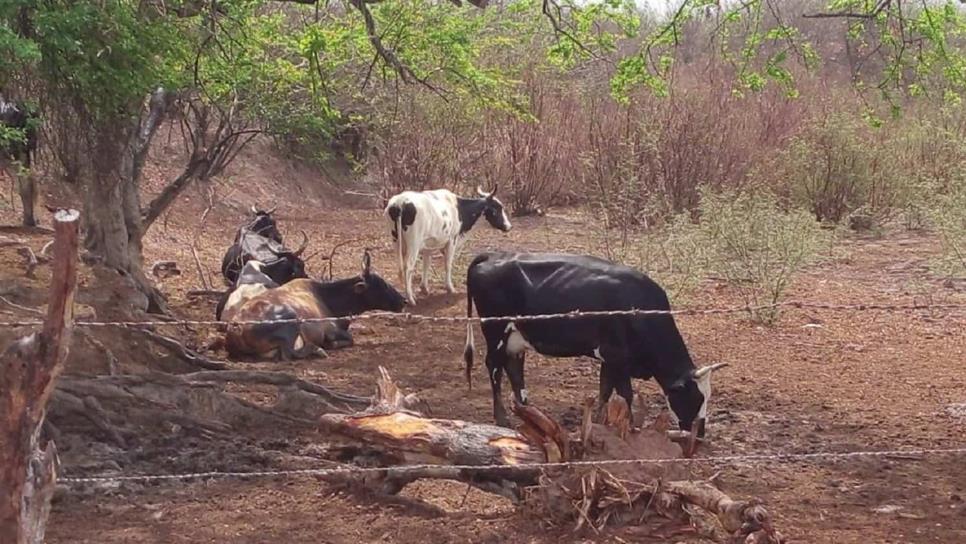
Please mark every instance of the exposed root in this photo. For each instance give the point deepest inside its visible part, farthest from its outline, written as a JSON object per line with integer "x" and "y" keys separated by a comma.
{"x": 340, "y": 402}
{"x": 183, "y": 353}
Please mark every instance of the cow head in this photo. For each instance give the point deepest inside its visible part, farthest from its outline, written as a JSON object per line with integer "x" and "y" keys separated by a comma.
{"x": 494, "y": 212}
{"x": 688, "y": 398}
{"x": 289, "y": 265}
{"x": 264, "y": 224}
{"x": 375, "y": 292}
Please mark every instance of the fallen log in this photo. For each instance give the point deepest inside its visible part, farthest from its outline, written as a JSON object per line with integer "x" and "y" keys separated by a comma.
{"x": 393, "y": 435}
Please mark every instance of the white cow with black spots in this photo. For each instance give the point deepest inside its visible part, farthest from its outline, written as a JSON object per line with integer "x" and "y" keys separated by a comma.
{"x": 425, "y": 222}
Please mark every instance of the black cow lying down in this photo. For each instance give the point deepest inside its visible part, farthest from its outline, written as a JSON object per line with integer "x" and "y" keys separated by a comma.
{"x": 260, "y": 240}
{"x": 641, "y": 346}
{"x": 303, "y": 299}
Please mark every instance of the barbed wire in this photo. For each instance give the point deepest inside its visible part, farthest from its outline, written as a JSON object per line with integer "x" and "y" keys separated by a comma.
{"x": 576, "y": 314}
{"x": 762, "y": 458}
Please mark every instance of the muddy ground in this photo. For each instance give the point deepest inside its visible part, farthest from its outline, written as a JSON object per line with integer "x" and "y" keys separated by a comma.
{"x": 816, "y": 381}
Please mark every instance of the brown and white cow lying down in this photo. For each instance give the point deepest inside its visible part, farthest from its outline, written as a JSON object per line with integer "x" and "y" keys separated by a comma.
{"x": 305, "y": 299}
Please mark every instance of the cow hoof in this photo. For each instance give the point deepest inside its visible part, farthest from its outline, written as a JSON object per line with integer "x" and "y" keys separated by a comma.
{"x": 322, "y": 353}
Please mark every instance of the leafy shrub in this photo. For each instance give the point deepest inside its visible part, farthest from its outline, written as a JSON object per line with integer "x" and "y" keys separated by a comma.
{"x": 756, "y": 245}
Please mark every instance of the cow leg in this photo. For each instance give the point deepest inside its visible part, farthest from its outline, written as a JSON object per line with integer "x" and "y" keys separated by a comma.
{"x": 410, "y": 268}
{"x": 313, "y": 337}
{"x": 496, "y": 359}
{"x": 514, "y": 371}
{"x": 607, "y": 386}
{"x": 496, "y": 385}
{"x": 424, "y": 280}
{"x": 614, "y": 375}
{"x": 338, "y": 338}
{"x": 625, "y": 390}
{"x": 449, "y": 253}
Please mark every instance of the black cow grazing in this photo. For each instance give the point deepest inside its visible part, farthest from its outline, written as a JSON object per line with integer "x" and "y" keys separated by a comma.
{"x": 16, "y": 154}
{"x": 260, "y": 240}
{"x": 640, "y": 346}
{"x": 251, "y": 282}
{"x": 306, "y": 299}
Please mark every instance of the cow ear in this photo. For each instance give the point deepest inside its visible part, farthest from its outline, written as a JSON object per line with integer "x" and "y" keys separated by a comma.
{"x": 359, "y": 287}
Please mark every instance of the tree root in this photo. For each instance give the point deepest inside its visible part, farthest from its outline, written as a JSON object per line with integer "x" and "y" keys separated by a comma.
{"x": 339, "y": 402}
{"x": 180, "y": 351}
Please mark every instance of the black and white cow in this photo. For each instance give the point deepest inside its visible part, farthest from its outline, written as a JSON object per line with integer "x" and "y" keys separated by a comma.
{"x": 425, "y": 222}
{"x": 16, "y": 154}
{"x": 639, "y": 346}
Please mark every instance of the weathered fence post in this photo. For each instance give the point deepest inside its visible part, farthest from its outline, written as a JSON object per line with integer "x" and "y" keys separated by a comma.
{"x": 28, "y": 369}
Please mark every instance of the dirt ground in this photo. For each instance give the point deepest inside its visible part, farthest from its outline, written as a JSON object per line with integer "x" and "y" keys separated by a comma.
{"x": 816, "y": 381}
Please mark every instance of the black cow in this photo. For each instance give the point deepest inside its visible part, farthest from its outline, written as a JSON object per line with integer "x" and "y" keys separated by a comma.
{"x": 16, "y": 154}
{"x": 260, "y": 240}
{"x": 641, "y": 346}
{"x": 263, "y": 223}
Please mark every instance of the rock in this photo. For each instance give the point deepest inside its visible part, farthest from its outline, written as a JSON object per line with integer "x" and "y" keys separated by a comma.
{"x": 887, "y": 509}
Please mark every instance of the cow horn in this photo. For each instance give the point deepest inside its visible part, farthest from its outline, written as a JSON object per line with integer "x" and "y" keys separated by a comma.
{"x": 271, "y": 210}
{"x": 493, "y": 192}
{"x": 305, "y": 244}
{"x": 366, "y": 262}
{"x": 254, "y": 209}
{"x": 481, "y": 192}
{"x": 699, "y": 373}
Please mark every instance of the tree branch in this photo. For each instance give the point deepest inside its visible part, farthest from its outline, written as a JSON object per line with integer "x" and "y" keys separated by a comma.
{"x": 157, "y": 107}
{"x": 171, "y": 192}
{"x": 850, "y": 14}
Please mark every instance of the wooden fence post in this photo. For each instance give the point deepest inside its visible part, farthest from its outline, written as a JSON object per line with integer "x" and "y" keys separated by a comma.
{"x": 28, "y": 370}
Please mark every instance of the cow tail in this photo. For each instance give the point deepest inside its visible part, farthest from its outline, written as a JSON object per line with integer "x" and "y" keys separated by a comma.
{"x": 469, "y": 348}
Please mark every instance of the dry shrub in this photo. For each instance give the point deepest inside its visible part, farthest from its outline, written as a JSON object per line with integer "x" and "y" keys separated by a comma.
{"x": 837, "y": 165}
{"x": 949, "y": 218}
{"x": 757, "y": 245}
{"x": 647, "y": 161}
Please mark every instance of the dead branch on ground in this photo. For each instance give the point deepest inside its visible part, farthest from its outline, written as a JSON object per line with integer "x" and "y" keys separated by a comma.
{"x": 658, "y": 495}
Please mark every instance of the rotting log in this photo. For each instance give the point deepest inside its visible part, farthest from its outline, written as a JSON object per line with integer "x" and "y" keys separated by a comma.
{"x": 28, "y": 371}
{"x": 403, "y": 436}
{"x": 655, "y": 496}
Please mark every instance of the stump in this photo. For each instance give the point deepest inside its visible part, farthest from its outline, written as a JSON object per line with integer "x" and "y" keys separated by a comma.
{"x": 28, "y": 370}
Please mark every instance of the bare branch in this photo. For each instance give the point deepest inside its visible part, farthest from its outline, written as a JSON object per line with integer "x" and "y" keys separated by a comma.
{"x": 851, "y": 14}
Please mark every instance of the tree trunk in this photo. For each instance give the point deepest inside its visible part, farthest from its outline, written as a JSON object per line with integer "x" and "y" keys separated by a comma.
{"x": 28, "y": 370}
{"x": 113, "y": 207}
{"x": 27, "y": 187}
